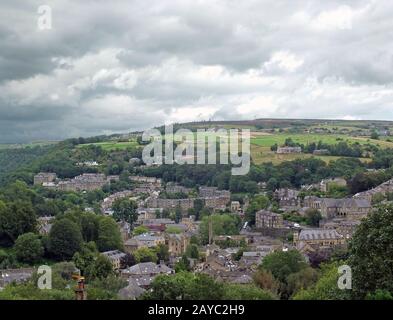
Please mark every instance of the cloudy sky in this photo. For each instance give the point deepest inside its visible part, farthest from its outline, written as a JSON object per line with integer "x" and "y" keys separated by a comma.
{"x": 115, "y": 66}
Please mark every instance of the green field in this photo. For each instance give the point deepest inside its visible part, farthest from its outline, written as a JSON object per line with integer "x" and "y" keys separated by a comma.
{"x": 268, "y": 140}
{"x": 264, "y": 154}
{"x": 112, "y": 145}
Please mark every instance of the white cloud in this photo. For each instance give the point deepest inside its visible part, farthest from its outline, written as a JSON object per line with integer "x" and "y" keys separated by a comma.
{"x": 102, "y": 69}
{"x": 340, "y": 18}
{"x": 284, "y": 60}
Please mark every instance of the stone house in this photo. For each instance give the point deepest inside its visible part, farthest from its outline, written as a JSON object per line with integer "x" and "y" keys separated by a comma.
{"x": 175, "y": 188}
{"x": 44, "y": 224}
{"x": 21, "y": 275}
{"x": 351, "y": 208}
{"x": 114, "y": 257}
{"x": 287, "y": 198}
{"x": 177, "y": 243}
{"x": 288, "y": 150}
{"x": 316, "y": 239}
{"x": 86, "y": 182}
{"x": 144, "y": 273}
{"x": 384, "y": 189}
{"x": 144, "y": 240}
{"x": 343, "y": 226}
{"x": 312, "y": 202}
{"x": 235, "y": 206}
{"x": 44, "y": 177}
{"x": 268, "y": 219}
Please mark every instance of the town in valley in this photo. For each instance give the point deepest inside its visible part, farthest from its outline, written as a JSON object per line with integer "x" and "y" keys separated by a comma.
{"x": 318, "y": 196}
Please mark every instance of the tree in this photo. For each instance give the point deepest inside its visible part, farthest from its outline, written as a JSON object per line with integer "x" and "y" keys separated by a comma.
{"x": 162, "y": 252}
{"x": 301, "y": 280}
{"x": 380, "y": 295}
{"x": 89, "y": 226}
{"x": 272, "y": 184}
{"x": 84, "y": 259}
{"x": 266, "y": 281}
{"x": 140, "y": 230}
{"x": 313, "y": 216}
{"x": 102, "y": 267}
{"x": 375, "y": 135}
{"x": 371, "y": 253}
{"x": 198, "y": 206}
{"x": 185, "y": 286}
{"x": 178, "y": 214}
{"x": 109, "y": 237}
{"x": 259, "y": 202}
{"x": 65, "y": 239}
{"x": 326, "y": 287}
{"x": 127, "y": 261}
{"x": 125, "y": 210}
{"x": 281, "y": 264}
{"x": 16, "y": 218}
{"x": 183, "y": 264}
{"x": 28, "y": 248}
{"x": 145, "y": 255}
{"x": 192, "y": 251}
{"x": 246, "y": 292}
{"x": 223, "y": 224}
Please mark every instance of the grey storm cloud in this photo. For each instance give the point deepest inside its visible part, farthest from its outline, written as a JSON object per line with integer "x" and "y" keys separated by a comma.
{"x": 116, "y": 66}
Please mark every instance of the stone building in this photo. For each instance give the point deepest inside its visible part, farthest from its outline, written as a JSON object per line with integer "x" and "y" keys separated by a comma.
{"x": 347, "y": 208}
{"x": 44, "y": 177}
{"x": 316, "y": 239}
{"x": 107, "y": 203}
{"x": 312, "y": 202}
{"x": 288, "y": 150}
{"x": 235, "y": 206}
{"x": 208, "y": 192}
{"x": 175, "y": 188}
{"x": 217, "y": 202}
{"x": 8, "y": 276}
{"x": 146, "y": 240}
{"x": 343, "y": 226}
{"x": 150, "y": 180}
{"x": 86, "y": 182}
{"x": 214, "y": 202}
{"x": 144, "y": 273}
{"x": 114, "y": 257}
{"x": 384, "y": 189}
{"x": 177, "y": 243}
{"x": 287, "y": 198}
{"x": 183, "y": 204}
{"x": 267, "y": 219}
{"x": 44, "y": 224}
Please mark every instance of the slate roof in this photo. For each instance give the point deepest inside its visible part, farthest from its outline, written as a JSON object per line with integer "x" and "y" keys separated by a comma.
{"x": 148, "y": 268}
{"x": 319, "y": 234}
{"x": 131, "y": 292}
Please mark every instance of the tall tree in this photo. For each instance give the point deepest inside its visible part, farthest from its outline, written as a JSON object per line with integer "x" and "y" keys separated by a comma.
{"x": 125, "y": 210}
{"x": 65, "y": 239}
{"x": 28, "y": 248}
{"x": 371, "y": 253}
{"x": 16, "y": 218}
{"x": 109, "y": 237}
